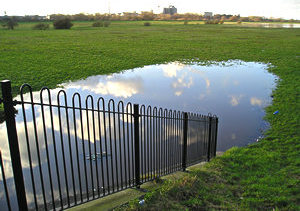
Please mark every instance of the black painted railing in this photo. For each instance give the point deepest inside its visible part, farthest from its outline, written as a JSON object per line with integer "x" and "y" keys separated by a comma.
{"x": 70, "y": 151}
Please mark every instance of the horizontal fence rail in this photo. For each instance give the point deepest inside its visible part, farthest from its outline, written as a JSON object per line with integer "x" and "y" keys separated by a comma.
{"x": 66, "y": 151}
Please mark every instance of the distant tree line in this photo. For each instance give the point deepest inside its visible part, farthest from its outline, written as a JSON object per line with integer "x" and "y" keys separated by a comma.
{"x": 146, "y": 16}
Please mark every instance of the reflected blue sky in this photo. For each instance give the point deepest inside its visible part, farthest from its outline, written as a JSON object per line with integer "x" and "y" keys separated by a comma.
{"x": 235, "y": 91}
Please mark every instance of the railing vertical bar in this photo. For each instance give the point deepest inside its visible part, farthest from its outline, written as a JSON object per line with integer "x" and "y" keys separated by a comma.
{"x": 207, "y": 136}
{"x": 178, "y": 141}
{"x": 13, "y": 143}
{"x": 204, "y": 137}
{"x": 101, "y": 148}
{"x": 28, "y": 147}
{"x": 159, "y": 142}
{"x": 83, "y": 150}
{"x": 132, "y": 143}
{"x": 110, "y": 147}
{"x": 128, "y": 144}
{"x": 141, "y": 145}
{"x": 120, "y": 146}
{"x": 76, "y": 145}
{"x": 106, "y": 149}
{"x": 168, "y": 143}
{"x": 4, "y": 183}
{"x": 162, "y": 143}
{"x": 209, "y": 139}
{"x": 124, "y": 147}
{"x": 148, "y": 145}
{"x": 70, "y": 149}
{"x": 155, "y": 139}
{"x": 170, "y": 129}
{"x": 47, "y": 150}
{"x": 216, "y": 136}
{"x": 146, "y": 149}
{"x": 55, "y": 153}
{"x": 136, "y": 144}
{"x": 151, "y": 145}
{"x": 144, "y": 154}
{"x": 115, "y": 143}
{"x": 95, "y": 148}
{"x": 197, "y": 140}
{"x": 182, "y": 137}
{"x": 63, "y": 150}
{"x": 174, "y": 141}
{"x": 185, "y": 131}
{"x": 163, "y": 135}
{"x": 89, "y": 145}
{"x": 156, "y": 145}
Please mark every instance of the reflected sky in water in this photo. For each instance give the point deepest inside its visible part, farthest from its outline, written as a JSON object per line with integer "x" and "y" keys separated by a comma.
{"x": 235, "y": 91}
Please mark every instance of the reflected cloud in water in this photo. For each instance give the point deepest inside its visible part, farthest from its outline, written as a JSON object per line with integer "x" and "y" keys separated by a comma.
{"x": 115, "y": 86}
{"x": 235, "y": 91}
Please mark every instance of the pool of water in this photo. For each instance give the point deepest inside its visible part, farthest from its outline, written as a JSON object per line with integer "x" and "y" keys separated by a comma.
{"x": 235, "y": 91}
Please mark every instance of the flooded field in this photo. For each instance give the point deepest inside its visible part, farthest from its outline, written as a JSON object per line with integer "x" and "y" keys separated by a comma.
{"x": 235, "y": 91}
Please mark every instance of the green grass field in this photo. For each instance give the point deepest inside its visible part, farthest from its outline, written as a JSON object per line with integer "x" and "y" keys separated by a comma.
{"x": 265, "y": 175}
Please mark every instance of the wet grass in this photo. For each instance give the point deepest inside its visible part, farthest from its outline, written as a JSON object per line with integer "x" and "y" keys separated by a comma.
{"x": 264, "y": 175}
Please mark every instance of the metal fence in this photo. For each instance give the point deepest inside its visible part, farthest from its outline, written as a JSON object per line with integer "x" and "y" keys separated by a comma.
{"x": 68, "y": 151}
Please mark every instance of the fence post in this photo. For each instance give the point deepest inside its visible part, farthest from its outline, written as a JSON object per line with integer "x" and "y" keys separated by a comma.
{"x": 216, "y": 133}
{"x": 136, "y": 144}
{"x": 13, "y": 144}
{"x": 209, "y": 139}
{"x": 184, "y": 149}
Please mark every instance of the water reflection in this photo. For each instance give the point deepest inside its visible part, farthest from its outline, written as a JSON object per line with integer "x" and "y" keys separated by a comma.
{"x": 235, "y": 91}
{"x": 116, "y": 86}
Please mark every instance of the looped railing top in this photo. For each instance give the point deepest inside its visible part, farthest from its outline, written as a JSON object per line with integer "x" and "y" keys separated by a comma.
{"x": 82, "y": 148}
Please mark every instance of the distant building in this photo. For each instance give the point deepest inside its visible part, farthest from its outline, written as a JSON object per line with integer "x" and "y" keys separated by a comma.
{"x": 171, "y": 10}
{"x": 208, "y": 15}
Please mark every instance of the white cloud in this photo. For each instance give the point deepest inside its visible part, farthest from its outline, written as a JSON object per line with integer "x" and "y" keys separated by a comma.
{"x": 256, "y": 101}
{"x": 178, "y": 93}
{"x": 235, "y": 99}
{"x": 170, "y": 70}
{"x": 115, "y": 86}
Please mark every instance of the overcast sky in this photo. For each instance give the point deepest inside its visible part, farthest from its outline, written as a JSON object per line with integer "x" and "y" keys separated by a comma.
{"x": 269, "y": 8}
